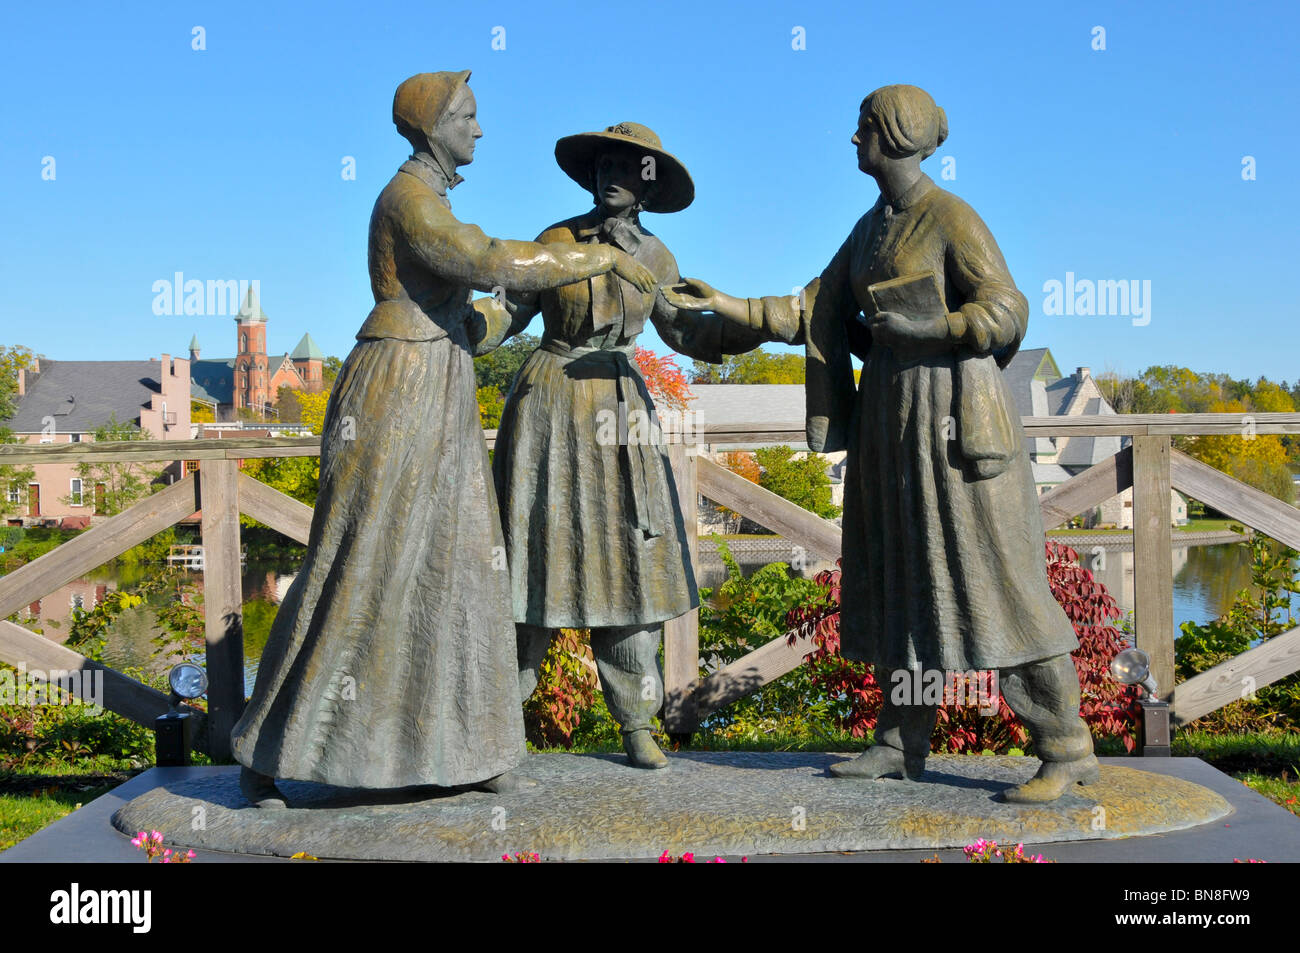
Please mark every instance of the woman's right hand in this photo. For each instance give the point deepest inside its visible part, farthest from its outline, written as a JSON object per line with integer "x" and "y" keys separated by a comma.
{"x": 692, "y": 295}
{"x": 629, "y": 269}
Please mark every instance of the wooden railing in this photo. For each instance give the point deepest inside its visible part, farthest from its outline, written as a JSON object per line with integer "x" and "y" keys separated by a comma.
{"x": 1149, "y": 466}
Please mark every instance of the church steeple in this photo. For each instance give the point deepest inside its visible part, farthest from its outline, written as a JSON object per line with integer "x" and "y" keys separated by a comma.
{"x": 252, "y": 378}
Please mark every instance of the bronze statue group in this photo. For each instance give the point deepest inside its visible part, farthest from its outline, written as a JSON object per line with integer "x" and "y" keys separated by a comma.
{"x": 434, "y": 579}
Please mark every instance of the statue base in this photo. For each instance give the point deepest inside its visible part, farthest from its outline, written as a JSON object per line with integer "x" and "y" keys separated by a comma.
{"x": 729, "y": 804}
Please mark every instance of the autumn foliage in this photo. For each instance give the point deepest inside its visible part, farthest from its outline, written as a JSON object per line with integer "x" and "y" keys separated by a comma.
{"x": 664, "y": 379}
{"x": 1108, "y": 707}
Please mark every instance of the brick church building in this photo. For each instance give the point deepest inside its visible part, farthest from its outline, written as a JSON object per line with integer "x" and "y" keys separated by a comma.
{"x": 251, "y": 380}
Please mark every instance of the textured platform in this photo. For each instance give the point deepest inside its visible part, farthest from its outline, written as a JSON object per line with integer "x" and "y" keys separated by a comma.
{"x": 729, "y": 804}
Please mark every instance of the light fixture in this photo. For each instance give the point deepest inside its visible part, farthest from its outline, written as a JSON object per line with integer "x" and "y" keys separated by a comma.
{"x": 187, "y": 682}
{"x": 1133, "y": 667}
{"x": 174, "y": 731}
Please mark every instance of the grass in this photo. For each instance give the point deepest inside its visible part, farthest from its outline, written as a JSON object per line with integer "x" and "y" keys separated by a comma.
{"x": 1284, "y": 790}
{"x": 23, "y": 814}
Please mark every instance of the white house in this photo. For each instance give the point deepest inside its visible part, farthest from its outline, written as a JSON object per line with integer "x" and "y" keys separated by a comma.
{"x": 1041, "y": 390}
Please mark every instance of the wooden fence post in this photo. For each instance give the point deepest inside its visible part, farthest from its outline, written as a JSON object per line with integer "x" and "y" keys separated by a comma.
{"x": 222, "y": 601}
{"x": 1153, "y": 559}
{"x": 682, "y": 635}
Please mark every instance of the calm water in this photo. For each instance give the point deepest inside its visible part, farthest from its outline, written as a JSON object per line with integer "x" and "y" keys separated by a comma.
{"x": 1206, "y": 579}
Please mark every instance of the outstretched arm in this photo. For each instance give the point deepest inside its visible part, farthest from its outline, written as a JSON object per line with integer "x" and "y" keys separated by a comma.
{"x": 462, "y": 253}
{"x": 823, "y": 317}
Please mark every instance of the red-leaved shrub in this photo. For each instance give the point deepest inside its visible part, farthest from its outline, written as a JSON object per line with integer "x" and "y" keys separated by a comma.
{"x": 1108, "y": 707}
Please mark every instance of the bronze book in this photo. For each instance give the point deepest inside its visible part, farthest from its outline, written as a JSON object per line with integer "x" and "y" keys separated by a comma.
{"x": 916, "y": 296}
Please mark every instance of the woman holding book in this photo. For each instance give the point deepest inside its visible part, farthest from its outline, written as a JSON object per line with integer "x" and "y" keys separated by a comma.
{"x": 943, "y": 565}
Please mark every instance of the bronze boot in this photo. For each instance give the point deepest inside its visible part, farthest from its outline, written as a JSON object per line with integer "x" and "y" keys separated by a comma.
{"x": 881, "y": 761}
{"x": 1052, "y": 780}
{"x": 260, "y": 789}
{"x": 642, "y": 750}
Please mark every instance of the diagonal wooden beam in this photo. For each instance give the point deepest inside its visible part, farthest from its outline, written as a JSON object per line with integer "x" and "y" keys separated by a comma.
{"x": 1089, "y": 489}
{"x": 1253, "y": 507}
{"x": 97, "y": 545}
{"x": 766, "y": 508}
{"x": 751, "y": 672}
{"x": 46, "y": 660}
{"x": 1236, "y": 678}
{"x": 282, "y": 513}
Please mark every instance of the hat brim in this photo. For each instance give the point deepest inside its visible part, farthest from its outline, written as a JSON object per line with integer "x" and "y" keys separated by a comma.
{"x": 576, "y": 156}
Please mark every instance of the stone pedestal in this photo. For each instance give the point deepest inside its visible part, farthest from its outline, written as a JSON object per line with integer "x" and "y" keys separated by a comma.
{"x": 593, "y": 807}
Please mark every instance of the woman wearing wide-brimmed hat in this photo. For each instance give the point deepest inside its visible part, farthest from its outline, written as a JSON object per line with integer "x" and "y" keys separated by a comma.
{"x": 593, "y": 530}
{"x": 392, "y": 660}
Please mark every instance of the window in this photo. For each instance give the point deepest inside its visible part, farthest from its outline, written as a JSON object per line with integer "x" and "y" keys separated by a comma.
{"x": 76, "y": 492}
{"x": 15, "y": 494}
{"x": 77, "y": 602}
{"x": 74, "y": 438}
{"x": 243, "y": 342}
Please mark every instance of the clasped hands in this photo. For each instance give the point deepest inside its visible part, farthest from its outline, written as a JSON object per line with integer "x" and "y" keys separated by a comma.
{"x": 888, "y": 328}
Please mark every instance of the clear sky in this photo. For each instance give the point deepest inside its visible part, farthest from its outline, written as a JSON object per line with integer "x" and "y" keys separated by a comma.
{"x": 1123, "y": 163}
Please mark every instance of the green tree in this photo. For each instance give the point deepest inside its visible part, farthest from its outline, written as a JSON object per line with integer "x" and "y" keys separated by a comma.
{"x": 124, "y": 483}
{"x": 298, "y": 477}
{"x": 287, "y": 403}
{"x": 753, "y": 367}
{"x": 12, "y": 477}
{"x": 11, "y": 359}
{"x": 490, "y": 407}
{"x": 1264, "y": 461}
{"x": 330, "y": 368}
{"x": 498, "y": 368}
{"x": 803, "y": 481}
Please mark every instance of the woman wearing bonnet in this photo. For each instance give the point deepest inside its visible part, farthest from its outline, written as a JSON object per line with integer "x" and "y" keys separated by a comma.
{"x": 392, "y": 661}
{"x": 943, "y": 565}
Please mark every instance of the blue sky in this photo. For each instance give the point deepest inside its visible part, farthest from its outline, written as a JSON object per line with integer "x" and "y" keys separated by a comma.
{"x": 1116, "y": 164}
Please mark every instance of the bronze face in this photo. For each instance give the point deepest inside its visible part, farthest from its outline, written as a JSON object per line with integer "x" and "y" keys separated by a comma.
{"x": 458, "y": 128}
{"x": 619, "y": 185}
{"x": 867, "y": 139}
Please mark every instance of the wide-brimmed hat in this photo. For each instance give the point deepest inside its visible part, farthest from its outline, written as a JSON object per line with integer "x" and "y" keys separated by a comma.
{"x": 421, "y": 100}
{"x": 674, "y": 188}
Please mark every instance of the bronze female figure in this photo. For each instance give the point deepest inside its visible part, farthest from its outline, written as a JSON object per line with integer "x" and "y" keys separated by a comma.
{"x": 943, "y": 566}
{"x": 592, "y": 524}
{"x": 392, "y": 660}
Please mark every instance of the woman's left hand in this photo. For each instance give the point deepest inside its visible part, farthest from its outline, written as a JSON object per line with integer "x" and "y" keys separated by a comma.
{"x": 898, "y": 331}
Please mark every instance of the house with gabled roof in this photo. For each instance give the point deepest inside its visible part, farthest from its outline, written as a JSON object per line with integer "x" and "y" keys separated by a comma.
{"x": 1041, "y": 390}
{"x": 66, "y": 402}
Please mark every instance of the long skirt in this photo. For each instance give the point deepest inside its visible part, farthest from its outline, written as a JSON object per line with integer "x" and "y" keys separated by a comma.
{"x": 593, "y": 528}
{"x": 392, "y": 659}
{"x": 942, "y": 569}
